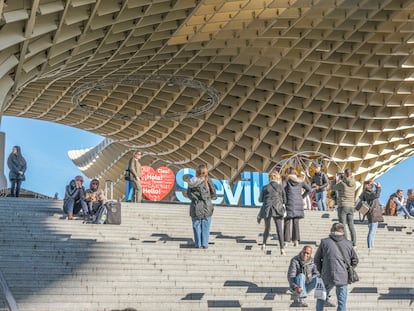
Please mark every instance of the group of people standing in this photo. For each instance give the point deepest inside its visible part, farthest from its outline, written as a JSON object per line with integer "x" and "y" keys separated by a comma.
{"x": 283, "y": 202}
{"x": 283, "y": 196}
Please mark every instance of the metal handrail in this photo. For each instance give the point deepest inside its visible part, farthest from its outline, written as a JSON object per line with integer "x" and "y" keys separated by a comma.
{"x": 11, "y": 302}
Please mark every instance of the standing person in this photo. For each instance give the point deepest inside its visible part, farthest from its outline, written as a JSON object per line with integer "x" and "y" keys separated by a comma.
{"x": 375, "y": 212}
{"x": 135, "y": 175}
{"x": 273, "y": 197}
{"x": 201, "y": 191}
{"x": 129, "y": 188}
{"x": 294, "y": 205}
{"x": 17, "y": 166}
{"x": 74, "y": 199}
{"x": 302, "y": 276}
{"x": 319, "y": 183}
{"x": 330, "y": 262}
{"x": 345, "y": 190}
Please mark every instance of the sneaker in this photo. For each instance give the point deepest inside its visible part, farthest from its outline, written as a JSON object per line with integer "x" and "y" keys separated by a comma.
{"x": 329, "y": 304}
{"x": 282, "y": 252}
{"x": 290, "y": 291}
{"x": 295, "y": 243}
{"x": 299, "y": 303}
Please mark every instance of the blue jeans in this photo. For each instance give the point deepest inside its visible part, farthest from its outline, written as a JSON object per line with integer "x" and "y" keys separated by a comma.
{"x": 15, "y": 187}
{"x": 320, "y": 198}
{"x": 341, "y": 295}
{"x": 129, "y": 191}
{"x": 71, "y": 207}
{"x": 402, "y": 211}
{"x": 201, "y": 229}
{"x": 307, "y": 287}
{"x": 372, "y": 229}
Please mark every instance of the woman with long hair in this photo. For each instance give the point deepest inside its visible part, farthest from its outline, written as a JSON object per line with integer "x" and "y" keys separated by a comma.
{"x": 374, "y": 214}
{"x": 201, "y": 192}
{"x": 17, "y": 166}
{"x": 274, "y": 199}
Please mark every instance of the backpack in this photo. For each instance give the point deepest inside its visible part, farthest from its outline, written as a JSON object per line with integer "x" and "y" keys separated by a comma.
{"x": 391, "y": 206}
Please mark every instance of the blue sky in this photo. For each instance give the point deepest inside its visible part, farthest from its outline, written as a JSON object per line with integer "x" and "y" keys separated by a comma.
{"x": 45, "y": 146}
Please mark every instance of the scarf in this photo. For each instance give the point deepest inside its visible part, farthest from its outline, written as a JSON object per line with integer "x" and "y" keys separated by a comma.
{"x": 306, "y": 268}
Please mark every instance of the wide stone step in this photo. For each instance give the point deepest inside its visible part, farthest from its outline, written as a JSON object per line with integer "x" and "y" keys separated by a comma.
{"x": 147, "y": 262}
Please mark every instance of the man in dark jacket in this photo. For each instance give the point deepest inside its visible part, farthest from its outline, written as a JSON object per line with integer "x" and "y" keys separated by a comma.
{"x": 319, "y": 183}
{"x": 333, "y": 266}
{"x": 302, "y": 276}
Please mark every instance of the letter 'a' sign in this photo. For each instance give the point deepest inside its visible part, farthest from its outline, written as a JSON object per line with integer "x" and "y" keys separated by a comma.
{"x": 156, "y": 184}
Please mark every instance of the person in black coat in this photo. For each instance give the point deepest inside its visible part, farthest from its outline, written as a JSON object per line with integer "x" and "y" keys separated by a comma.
{"x": 17, "y": 166}
{"x": 294, "y": 204}
{"x": 274, "y": 199}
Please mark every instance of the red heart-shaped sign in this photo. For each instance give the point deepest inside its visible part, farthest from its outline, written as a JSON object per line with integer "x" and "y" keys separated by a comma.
{"x": 156, "y": 184}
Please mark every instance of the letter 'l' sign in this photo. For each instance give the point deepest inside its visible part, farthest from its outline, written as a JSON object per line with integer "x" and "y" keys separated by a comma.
{"x": 156, "y": 184}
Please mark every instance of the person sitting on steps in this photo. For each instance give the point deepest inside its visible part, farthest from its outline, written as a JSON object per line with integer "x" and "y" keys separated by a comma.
{"x": 74, "y": 199}
{"x": 400, "y": 203}
{"x": 302, "y": 276}
{"x": 94, "y": 197}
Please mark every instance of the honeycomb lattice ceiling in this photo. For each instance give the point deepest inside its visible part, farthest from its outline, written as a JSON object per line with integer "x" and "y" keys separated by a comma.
{"x": 330, "y": 76}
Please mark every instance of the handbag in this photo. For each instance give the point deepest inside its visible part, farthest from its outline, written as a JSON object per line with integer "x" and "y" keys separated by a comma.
{"x": 352, "y": 274}
{"x": 362, "y": 207}
{"x": 127, "y": 175}
{"x": 320, "y": 290}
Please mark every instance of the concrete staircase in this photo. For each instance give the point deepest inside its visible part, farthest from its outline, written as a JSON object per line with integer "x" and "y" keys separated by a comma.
{"x": 147, "y": 263}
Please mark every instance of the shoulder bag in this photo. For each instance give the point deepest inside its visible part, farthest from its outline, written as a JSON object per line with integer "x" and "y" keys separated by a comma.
{"x": 362, "y": 207}
{"x": 127, "y": 174}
